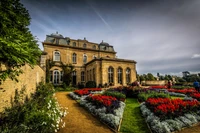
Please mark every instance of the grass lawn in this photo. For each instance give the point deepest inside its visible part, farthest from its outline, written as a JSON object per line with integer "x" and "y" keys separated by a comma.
{"x": 133, "y": 122}
{"x": 175, "y": 97}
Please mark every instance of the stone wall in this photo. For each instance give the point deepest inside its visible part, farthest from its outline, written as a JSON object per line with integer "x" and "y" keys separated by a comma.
{"x": 157, "y": 82}
{"x": 30, "y": 78}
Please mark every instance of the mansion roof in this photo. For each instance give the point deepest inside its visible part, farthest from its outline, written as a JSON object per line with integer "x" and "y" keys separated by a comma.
{"x": 111, "y": 59}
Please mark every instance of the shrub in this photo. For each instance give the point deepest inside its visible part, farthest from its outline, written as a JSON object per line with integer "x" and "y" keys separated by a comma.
{"x": 40, "y": 113}
{"x": 143, "y": 96}
{"x": 118, "y": 95}
{"x": 91, "y": 84}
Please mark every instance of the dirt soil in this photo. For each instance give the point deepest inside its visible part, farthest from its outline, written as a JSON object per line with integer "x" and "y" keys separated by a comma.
{"x": 79, "y": 120}
{"x": 195, "y": 129}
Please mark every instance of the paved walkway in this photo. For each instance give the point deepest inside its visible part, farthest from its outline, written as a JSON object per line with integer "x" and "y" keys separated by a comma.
{"x": 79, "y": 120}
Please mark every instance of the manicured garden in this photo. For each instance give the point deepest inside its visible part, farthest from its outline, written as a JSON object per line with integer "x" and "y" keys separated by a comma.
{"x": 134, "y": 109}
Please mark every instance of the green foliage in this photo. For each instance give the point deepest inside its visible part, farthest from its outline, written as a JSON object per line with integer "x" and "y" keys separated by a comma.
{"x": 116, "y": 94}
{"x": 40, "y": 113}
{"x": 180, "y": 87}
{"x": 67, "y": 71}
{"x": 49, "y": 65}
{"x": 133, "y": 122}
{"x": 143, "y": 96}
{"x": 17, "y": 45}
{"x": 90, "y": 84}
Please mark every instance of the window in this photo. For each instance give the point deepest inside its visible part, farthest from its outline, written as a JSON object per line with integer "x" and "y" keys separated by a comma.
{"x": 82, "y": 76}
{"x": 128, "y": 75}
{"x": 74, "y": 77}
{"x": 56, "y": 56}
{"x": 84, "y": 45}
{"x": 94, "y": 47}
{"x": 93, "y": 74}
{"x": 110, "y": 74}
{"x": 84, "y": 58}
{"x": 57, "y": 41}
{"x": 119, "y": 73}
{"x": 74, "y": 58}
{"x": 74, "y": 44}
{"x": 56, "y": 76}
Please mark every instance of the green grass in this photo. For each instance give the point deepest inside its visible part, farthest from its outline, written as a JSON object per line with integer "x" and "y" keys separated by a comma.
{"x": 133, "y": 122}
{"x": 175, "y": 97}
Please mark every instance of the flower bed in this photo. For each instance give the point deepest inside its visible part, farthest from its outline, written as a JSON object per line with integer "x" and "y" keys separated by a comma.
{"x": 77, "y": 94}
{"x": 107, "y": 108}
{"x": 183, "y": 91}
{"x": 169, "y": 115}
{"x": 158, "y": 87}
{"x": 196, "y": 96}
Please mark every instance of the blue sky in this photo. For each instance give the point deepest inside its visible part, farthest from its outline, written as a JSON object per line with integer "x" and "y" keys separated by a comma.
{"x": 161, "y": 35}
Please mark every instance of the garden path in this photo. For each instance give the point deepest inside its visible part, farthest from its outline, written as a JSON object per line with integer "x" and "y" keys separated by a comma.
{"x": 195, "y": 129}
{"x": 79, "y": 120}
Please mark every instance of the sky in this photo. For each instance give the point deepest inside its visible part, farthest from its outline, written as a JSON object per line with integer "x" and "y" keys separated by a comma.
{"x": 162, "y": 36}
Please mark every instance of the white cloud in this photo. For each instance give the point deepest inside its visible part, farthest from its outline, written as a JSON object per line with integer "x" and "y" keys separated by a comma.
{"x": 196, "y": 56}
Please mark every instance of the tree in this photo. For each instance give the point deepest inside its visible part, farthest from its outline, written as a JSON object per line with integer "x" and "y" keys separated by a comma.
{"x": 17, "y": 45}
{"x": 150, "y": 77}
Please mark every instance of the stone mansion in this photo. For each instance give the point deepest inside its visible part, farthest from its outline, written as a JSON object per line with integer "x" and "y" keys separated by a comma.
{"x": 91, "y": 61}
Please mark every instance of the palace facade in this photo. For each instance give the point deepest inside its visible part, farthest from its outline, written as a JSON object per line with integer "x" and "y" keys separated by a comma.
{"x": 92, "y": 61}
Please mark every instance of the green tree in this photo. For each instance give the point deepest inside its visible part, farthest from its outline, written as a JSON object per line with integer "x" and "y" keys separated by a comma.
{"x": 17, "y": 45}
{"x": 142, "y": 78}
{"x": 150, "y": 77}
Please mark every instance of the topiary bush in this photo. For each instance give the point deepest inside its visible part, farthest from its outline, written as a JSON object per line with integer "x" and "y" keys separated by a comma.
{"x": 90, "y": 84}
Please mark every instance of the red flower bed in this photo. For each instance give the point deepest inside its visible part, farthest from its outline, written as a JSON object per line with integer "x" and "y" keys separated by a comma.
{"x": 184, "y": 91}
{"x": 86, "y": 91}
{"x": 196, "y": 96}
{"x": 165, "y": 107}
{"x": 159, "y": 87}
{"x": 104, "y": 100}
{"x": 81, "y": 92}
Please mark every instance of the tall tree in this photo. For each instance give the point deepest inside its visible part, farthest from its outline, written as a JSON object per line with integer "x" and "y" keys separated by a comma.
{"x": 150, "y": 77}
{"x": 17, "y": 45}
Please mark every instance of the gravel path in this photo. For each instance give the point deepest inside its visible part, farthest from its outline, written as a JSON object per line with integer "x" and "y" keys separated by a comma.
{"x": 79, "y": 120}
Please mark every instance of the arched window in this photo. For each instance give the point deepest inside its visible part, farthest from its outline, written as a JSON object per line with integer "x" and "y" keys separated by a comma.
{"x": 74, "y": 58}
{"x": 119, "y": 73}
{"x": 84, "y": 45}
{"x": 82, "y": 76}
{"x": 110, "y": 74}
{"x": 56, "y": 76}
{"x": 84, "y": 58}
{"x": 74, "y": 77}
{"x": 128, "y": 75}
{"x": 74, "y": 44}
{"x": 56, "y": 56}
{"x": 94, "y": 47}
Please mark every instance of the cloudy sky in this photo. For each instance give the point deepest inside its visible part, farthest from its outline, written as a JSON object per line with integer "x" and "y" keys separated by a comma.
{"x": 161, "y": 35}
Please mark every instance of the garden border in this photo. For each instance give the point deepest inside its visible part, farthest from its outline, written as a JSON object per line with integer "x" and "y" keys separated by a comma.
{"x": 196, "y": 124}
{"x": 116, "y": 131}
